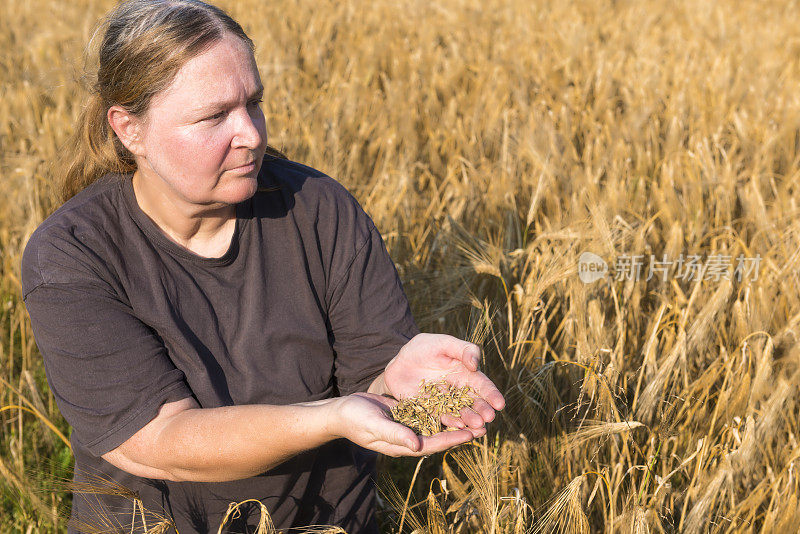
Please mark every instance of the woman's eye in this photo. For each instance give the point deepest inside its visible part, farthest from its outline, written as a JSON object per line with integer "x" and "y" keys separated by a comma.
{"x": 215, "y": 116}
{"x": 221, "y": 114}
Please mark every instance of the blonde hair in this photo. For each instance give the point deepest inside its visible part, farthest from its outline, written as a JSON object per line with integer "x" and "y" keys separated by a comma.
{"x": 144, "y": 45}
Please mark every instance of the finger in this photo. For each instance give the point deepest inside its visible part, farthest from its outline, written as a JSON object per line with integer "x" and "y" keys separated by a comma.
{"x": 444, "y": 440}
{"x": 397, "y": 434}
{"x": 484, "y": 409}
{"x": 467, "y": 353}
{"x": 452, "y": 421}
{"x": 471, "y": 417}
{"x": 432, "y": 444}
{"x": 477, "y": 432}
{"x": 471, "y": 356}
{"x": 486, "y": 389}
{"x": 395, "y": 451}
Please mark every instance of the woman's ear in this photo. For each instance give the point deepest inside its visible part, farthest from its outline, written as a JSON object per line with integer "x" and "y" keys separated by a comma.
{"x": 127, "y": 127}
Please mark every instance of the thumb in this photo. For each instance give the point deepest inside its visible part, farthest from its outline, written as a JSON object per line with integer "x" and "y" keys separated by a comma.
{"x": 471, "y": 356}
{"x": 401, "y": 435}
{"x": 467, "y": 353}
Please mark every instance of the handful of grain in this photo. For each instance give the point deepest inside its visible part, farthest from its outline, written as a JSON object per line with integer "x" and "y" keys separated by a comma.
{"x": 436, "y": 398}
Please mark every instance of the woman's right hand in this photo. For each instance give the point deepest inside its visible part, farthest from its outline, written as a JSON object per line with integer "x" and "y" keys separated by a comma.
{"x": 364, "y": 419}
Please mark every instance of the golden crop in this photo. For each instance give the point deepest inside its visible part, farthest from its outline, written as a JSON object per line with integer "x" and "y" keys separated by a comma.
{"x": 423, "y": 412}
{"x": 493, "y": 143}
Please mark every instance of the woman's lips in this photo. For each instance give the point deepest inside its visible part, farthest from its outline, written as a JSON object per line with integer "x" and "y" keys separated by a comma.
{"x": 245, "y": 168}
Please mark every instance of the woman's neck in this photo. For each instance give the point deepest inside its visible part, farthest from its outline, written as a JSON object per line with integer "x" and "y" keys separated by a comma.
{"x": 205, "y": 231}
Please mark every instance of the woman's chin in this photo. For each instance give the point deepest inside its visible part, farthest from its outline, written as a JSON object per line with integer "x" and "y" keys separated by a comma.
{"x": 241, "y": 189}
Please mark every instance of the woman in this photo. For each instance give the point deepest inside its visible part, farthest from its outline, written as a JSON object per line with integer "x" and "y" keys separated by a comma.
{"x": 219, "y": 323}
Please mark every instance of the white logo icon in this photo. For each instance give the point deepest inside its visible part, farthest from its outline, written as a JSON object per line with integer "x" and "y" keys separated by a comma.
{"x": 591, "y": 267}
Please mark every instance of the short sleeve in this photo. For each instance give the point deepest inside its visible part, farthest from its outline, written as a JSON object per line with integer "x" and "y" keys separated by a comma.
{"x": 109, "y": 372}
{"x": 369, "y": 315}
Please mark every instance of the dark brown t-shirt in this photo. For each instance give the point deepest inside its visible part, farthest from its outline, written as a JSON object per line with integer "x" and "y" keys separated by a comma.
{"x": 306, "y": 304}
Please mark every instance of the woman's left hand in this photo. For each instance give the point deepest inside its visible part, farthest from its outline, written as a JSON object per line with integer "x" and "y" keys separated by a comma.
{"x": 436, "y": 356}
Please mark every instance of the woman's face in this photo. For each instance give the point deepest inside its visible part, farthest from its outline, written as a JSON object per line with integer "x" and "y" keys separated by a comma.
{"x": 199, "y": 132}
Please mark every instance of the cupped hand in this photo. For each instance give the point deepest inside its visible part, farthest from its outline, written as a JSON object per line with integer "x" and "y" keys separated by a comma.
{"x": 364, "y": 419}
{"x": 436, "y": 356}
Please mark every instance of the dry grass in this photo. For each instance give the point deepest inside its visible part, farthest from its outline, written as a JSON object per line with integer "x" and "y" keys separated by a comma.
{"x": 492, "y": 144}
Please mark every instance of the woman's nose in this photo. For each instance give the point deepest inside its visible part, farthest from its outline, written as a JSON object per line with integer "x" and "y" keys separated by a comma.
{"x": 248, "y": 130}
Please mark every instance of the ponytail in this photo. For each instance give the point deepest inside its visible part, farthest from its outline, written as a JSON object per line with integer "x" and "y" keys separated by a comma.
{"x": 92, "y": 151}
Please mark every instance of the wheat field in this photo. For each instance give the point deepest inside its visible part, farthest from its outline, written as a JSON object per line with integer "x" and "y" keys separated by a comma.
{"x": 494, "y": 143}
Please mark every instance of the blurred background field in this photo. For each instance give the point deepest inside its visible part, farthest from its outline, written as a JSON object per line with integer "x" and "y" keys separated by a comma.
{"x": 493, "y": 142}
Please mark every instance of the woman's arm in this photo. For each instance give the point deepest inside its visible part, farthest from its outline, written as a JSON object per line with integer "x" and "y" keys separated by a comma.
{"x": 187, "y": 443}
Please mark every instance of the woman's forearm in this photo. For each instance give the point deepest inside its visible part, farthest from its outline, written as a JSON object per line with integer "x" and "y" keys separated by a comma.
{"x": 231, "y": 442}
